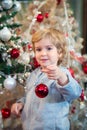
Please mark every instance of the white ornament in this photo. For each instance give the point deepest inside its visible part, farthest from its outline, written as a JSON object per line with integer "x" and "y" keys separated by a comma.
{"x": 5, "y": 34}
{"x": 0, "y": 9}
{"x": 82, "y": 105}
{"x": 10, "y": 83}
{"x": 7, "y": 4}
{"x": 36, "y": 2}
{"x": 17, "y": 6}
{"x": 4, "y": 56}
{"x": 24, "y": 58}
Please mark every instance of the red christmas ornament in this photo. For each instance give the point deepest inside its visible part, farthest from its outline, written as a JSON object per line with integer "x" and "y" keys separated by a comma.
{"x": 5, "y": 112}
{"x": 58, "y": 2}
{"x": 29, "y": 46}
{"x": 71, "y": 71}
{"x": 41, "y": 90}
{"x": 82, "y": 96}
{"x": 46, "y": 15}
{"x": 84, "y": 67}
{"x": 40, "y": 17}
{"x": 8, "y": 104}
{"x": 14, "y": 53}
{"x": 73, "y": 109}
{"x": 35, "y": 63}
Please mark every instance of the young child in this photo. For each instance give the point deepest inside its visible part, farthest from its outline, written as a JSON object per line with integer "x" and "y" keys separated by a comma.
{"x": 50, "y": 87}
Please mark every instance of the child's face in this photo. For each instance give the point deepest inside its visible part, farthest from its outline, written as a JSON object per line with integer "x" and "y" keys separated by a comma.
{"x": 46, "y": 53}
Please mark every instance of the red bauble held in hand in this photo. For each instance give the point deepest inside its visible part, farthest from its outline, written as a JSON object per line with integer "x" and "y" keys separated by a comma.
{"x": 5, "y": 113}
{"x": 41, "y": 90}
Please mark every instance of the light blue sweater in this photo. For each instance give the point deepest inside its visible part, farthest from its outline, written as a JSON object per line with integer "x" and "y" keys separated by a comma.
{"x": 51, "y": 112}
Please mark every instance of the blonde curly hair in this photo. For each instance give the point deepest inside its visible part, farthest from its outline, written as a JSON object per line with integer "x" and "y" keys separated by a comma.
{"x": 56, "y": 37}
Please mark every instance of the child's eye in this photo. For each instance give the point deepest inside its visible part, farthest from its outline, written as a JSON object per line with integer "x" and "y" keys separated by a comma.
{"x": 49, "y": 48}
{"x": 38, "y": 49}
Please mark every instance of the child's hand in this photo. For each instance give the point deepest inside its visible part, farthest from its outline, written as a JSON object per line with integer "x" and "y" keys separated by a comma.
{"x": 55, "y": 73}
{"x": 52, "y": 71}
{"x": 16, "y": 108}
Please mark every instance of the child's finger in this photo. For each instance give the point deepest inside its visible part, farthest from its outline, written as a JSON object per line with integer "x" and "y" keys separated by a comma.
{"x": 17, "y": 109}
{"x": 51, "y": 67}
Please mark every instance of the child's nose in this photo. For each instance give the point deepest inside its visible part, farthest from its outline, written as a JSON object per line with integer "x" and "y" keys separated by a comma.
{"x": 43, "y": 52}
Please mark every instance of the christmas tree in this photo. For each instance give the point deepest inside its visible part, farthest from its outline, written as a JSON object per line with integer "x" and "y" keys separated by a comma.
{"x": 12, "y": 45}
{"x": 13, "y": 64}
{"x": 15, "y": 45}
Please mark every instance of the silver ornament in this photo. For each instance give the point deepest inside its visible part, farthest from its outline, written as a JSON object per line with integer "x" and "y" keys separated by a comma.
{"x": 7, "y": 4}
{"x": 10, "y": 83}
{"x": 1, "y": 8}
{"x": 24, "y": 58}
{"x": 17, "y": 6}
{"x": 5, "y": 34}
{"x": 4, "y": 56}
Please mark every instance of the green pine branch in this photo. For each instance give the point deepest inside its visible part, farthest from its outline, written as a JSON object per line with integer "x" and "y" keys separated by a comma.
{"x": 7, "y": 16}
{"x": 12, "y": 26}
